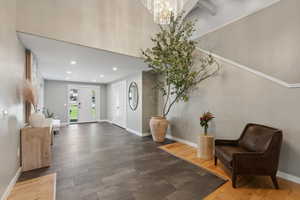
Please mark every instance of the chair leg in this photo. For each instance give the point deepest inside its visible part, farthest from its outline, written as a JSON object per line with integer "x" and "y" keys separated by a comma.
{"x": 216, "y": 160}
{"x": 274, "y": 180}
{"x": 233, "y": 180}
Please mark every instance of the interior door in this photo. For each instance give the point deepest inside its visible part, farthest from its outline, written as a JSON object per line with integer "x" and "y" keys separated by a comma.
{"x": 119, "y": 103}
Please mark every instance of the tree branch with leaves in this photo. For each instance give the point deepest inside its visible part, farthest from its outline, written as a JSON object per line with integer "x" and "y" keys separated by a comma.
{"x": 173, "y": 57}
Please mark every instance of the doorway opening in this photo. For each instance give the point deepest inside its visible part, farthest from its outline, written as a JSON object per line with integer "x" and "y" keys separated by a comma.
{"x": 83, "y": 103}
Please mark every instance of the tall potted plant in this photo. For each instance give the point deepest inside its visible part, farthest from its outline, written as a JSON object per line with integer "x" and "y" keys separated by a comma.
{"x": 206, "y": 142}
{"x": 173, "y": 57}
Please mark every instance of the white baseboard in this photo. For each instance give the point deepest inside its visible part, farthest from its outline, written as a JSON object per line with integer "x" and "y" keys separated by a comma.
{"x": 280, "y": 174}
{"x": 11, "y": 184}
{"x": 138, "y": 133}
{"x": 181, "y": 140}
{"x": 127, "y": 129}
{"x": 134, "y": 132}
{"x": 119, "y": 125}
{"x": 108, "y": 121}
{"x": 104, "y": 120}
{"x": 54, "y": 198}
{"x": 289, "y": 177}
{"x": 146, "y": 134}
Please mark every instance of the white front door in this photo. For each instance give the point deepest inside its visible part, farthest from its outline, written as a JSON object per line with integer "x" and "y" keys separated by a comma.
{"x": 119, "y": 103}
{"x": 83, "y": 103}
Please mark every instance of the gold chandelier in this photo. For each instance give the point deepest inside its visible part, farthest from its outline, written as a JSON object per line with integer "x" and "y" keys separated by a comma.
{"x": 163, "y": 9}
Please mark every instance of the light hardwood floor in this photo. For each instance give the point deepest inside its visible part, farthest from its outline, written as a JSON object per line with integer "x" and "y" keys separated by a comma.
{"x": 42, "y": 188}
{"x": 249, "y": 188}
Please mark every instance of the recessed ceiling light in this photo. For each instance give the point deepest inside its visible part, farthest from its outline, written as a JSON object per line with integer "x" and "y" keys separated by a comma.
{"x": 68, "y": 72}
{"x": 115, "y": 69}
{"x": 73, "y": 62}
{"x": 101, "y": 76}
{"x": 94, "y": 80}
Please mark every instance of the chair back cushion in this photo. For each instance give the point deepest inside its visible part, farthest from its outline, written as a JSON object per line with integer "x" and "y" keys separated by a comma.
{"x": 256, "y": 138}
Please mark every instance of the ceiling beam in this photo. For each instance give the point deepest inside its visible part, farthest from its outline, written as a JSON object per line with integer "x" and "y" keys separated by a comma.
{"x": 209, "y": 5}
{"x": 191, "y": 5}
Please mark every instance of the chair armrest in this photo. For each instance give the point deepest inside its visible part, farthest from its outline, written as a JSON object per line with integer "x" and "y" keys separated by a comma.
{"x": 226, "y": 142}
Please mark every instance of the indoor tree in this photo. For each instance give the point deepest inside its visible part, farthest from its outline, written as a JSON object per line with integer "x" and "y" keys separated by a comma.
{"x": 174, "y": 58}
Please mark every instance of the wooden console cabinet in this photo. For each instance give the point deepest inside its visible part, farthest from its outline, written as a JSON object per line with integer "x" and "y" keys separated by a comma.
{"x": 36, "y": 148}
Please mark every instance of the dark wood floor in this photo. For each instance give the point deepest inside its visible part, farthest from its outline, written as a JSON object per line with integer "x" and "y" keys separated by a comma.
{"x": 100, "y": 161}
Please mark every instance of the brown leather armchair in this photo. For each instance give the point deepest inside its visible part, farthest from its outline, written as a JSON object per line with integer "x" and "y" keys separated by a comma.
{"x": 256, "y": 152}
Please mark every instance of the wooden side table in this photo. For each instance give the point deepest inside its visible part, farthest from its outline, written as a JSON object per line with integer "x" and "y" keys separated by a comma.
{"x": 36, "y": 148}
{"x": 205, "y": 149}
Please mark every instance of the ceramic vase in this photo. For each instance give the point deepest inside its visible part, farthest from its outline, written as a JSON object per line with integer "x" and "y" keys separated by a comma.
{"x": 159, "y": 126}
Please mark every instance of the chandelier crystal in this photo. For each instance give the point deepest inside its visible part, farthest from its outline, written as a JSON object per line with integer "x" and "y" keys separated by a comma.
{"x": 163, "y": 9}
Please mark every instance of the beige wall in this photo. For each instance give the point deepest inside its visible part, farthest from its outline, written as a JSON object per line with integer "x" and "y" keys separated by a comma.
{"x": 12, "y": 65}
{"x": 267, "y": 41}
{"x": 109, "y": 108}
{"x": 149, "y": 99}
{"x": 122, "y": 26}
{"x": 238, "y": 97}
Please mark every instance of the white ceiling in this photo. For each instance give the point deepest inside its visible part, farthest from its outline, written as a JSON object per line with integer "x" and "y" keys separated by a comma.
{"x": 213, "y": 14}
{"x": 54, "y": 59}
